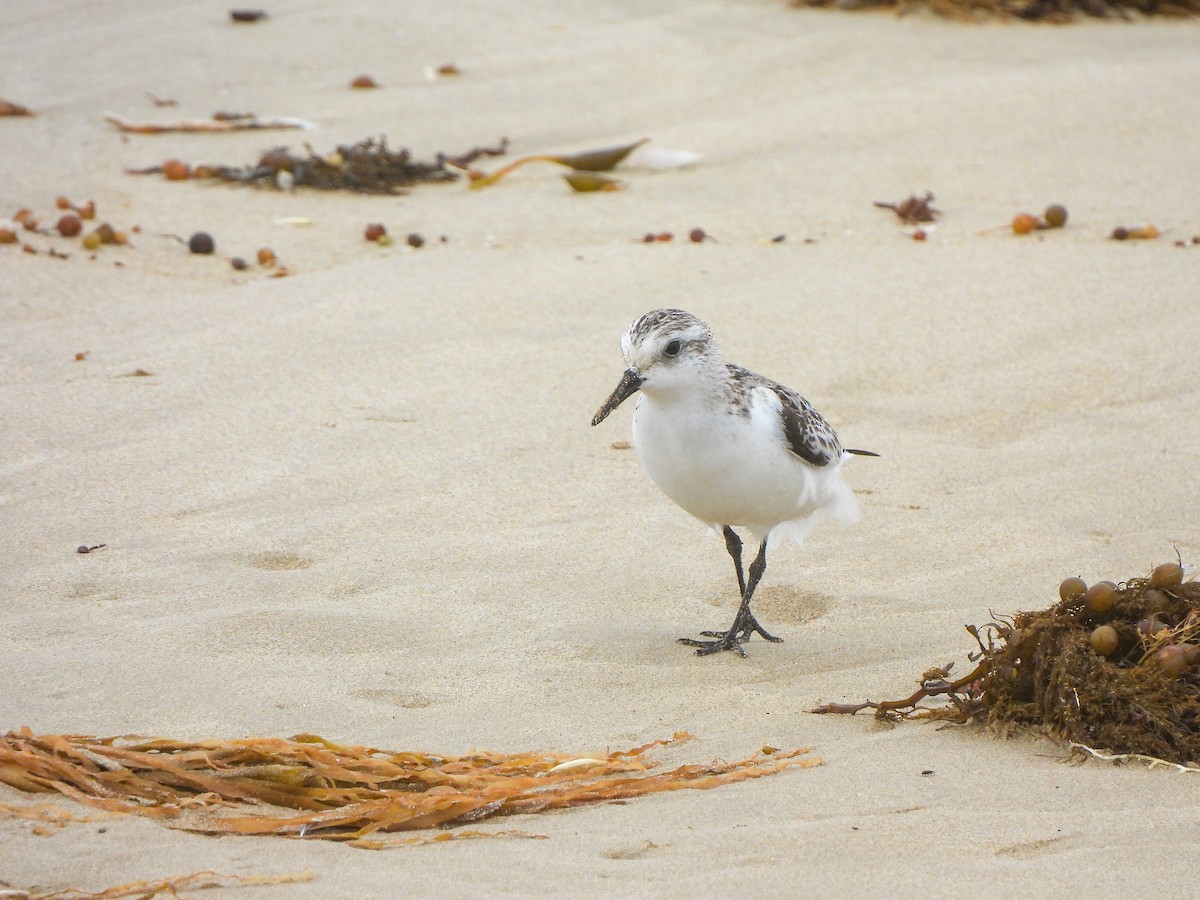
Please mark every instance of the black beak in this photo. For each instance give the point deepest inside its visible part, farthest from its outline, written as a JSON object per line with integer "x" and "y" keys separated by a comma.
{"x": 630, "y": 382}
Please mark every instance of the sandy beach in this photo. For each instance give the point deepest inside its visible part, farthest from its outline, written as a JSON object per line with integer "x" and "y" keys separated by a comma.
{"x": 364, "y": 500}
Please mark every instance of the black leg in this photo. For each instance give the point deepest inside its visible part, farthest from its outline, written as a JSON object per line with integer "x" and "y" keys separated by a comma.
{"x": 733, "y": 544}
{"x": 744, "y": 625}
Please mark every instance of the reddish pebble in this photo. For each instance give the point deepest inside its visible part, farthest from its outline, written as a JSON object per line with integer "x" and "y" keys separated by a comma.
{"x": 697, "y": 236}
{"x": 374, "y": 231}
{"x": 176, "y": 170}
{"x": 415, "y": 240}
{"x": 69, "y": 226}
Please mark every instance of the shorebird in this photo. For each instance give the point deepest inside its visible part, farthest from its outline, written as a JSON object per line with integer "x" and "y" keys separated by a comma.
{"x": 732, "y": 448}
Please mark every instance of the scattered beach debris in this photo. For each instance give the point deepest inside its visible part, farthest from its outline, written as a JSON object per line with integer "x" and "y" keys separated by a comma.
{"x": 343, "y": 793}
{"x": 220, "y": 123}
{"x": 587, "y": 182}
{"x": 8, "y": 108}
{"x": 146, "y": 890}
{"x": 1113, "y": 668}
{"x": 245, "y": 16}
{"x": 914, "y": 210}
{"x": 1137, "y": 233}
{"x": 1055, "y": 216}
{"x": 364, "y": 83}
{"x": 602, "y": 160}
{"x": 69, "y": 225}
{"x": 201, "y": 242}
{"x": 1033, "y": 10}
{"x": 368, "y": 167}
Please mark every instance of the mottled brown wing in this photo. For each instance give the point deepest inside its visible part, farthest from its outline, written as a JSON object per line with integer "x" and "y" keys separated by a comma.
{"x": 808, "y": 435}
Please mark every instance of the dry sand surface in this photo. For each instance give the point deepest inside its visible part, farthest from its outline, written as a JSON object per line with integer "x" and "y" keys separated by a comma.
{"x": 364, "y": 500}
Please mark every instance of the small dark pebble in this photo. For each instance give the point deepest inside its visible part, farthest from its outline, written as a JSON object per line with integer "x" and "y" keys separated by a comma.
{"x": 238, "y": 263}
{"x": 415, "y": 240}
{"x": 697, "y": 235}
{"x": 779, "y": 239}
{"x": 1120, "y": 234}
{"x": 201, "y": 242}
{"x": 648, "y": 238}
{"x": 247, "y": 15}
{"x": 927, "y": 771}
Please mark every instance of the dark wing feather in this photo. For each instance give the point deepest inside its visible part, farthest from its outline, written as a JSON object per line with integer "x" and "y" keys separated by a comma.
{"x": 808, "y": 435}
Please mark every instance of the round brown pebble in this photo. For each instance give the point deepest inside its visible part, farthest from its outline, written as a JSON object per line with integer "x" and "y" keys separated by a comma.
{"x": 1100, "y": 597}
{"x": 1072, "y": 588}
{"x": 1105, "y": 640}
{"x": 1055, "y": 215}
{"x": 1024, "y": 223}
{"x": 1166, "y": 575}
{"x": 266, "y": 256}
{"x": 238, "y": 263}
{"x": 1120, "y": 234}
{"x": 176, "y": 170}
{"x": 374, "y": 231}
{"x": 697, "y": 235}
{"x": 201, "y": 242}
{"x": 1172, "y": 660}
{"x": 62, "y": 202}
{"x": 415, "y": 240}
{"x": 364, "y": 82}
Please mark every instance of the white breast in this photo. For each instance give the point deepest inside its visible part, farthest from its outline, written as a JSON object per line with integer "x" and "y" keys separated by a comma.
{"x": 728, "y": 468}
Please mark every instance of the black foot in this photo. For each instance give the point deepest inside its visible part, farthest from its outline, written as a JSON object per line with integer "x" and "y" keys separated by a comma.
{"x": 744, "y": 630}
{"x": 729, "y": 640}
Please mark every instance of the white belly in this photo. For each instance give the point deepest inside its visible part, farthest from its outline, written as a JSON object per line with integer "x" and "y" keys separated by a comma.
{"x": 726, "y": 468}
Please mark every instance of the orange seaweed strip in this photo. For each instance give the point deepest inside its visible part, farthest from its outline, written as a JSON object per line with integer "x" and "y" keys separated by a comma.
{"x": 144, "y": 890}
{"x": 341, "y": 792}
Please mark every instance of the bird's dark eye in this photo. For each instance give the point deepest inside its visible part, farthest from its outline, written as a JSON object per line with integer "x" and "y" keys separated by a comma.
{"x": 672, "y": 348}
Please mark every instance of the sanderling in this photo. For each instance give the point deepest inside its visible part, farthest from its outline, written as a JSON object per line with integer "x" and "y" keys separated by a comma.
{"x": 730, "y": 447}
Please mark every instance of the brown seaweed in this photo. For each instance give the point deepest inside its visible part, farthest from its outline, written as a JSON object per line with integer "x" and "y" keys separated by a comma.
{"x": 339, "y": 792}
{"x": 1054, "y": 11}
{"x": 602, "y": 160}
{"x": 913, "y": 210}
{"x": 367, "y": 167}
{"x": 1038, "y": 670}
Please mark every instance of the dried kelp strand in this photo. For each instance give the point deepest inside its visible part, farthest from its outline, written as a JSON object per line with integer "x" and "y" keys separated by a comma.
{"x": 340, "y": 792}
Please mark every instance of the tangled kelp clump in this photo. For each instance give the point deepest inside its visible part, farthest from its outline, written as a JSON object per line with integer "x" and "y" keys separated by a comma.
{"x": 367, "y": 167}
{"x": 1056, "y": 11}
{"x": 1115, "y": 667}
{"x": 339, "y": 792}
